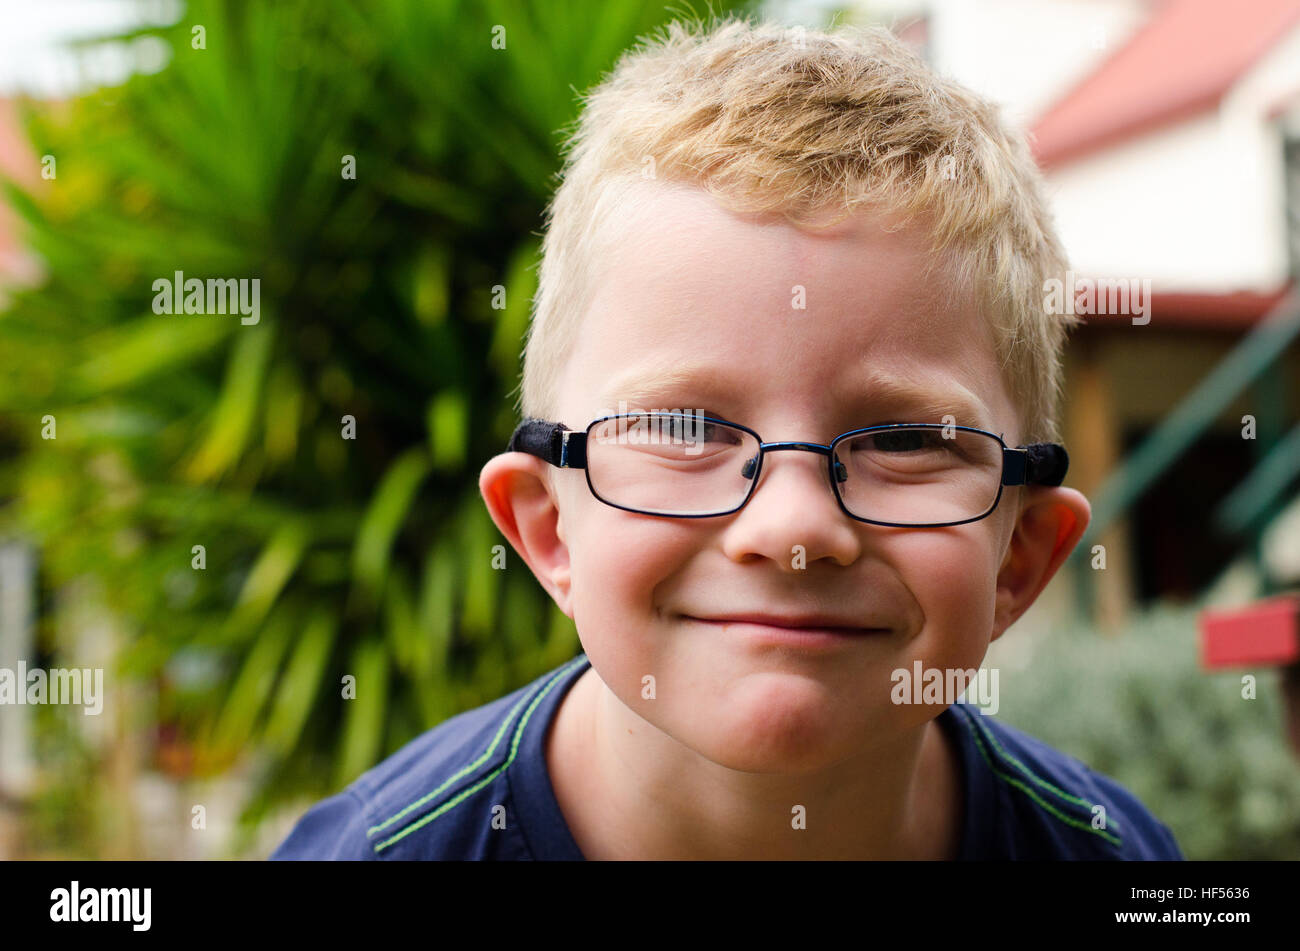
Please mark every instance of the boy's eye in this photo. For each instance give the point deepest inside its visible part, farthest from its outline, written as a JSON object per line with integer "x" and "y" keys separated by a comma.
{"x": 909, "y": 440}
{"x": 714, "y": 432}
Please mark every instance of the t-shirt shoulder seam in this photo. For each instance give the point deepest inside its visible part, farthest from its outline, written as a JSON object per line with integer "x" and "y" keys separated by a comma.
{"x": 477, "y": 774}
{"x": 1012, "y": 773}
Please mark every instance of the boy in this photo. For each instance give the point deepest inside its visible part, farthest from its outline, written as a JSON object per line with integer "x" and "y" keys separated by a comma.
{"x": 803, "y": 236}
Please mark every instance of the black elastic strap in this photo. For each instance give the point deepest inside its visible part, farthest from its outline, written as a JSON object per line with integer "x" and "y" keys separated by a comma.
{"x": 1047, "y": 463}
{"x": 539, "y": 438}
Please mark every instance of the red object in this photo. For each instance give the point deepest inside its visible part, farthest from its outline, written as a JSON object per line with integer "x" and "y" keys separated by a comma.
{"x": 1239, "y": 310}
{"x": 1266, "y": 633}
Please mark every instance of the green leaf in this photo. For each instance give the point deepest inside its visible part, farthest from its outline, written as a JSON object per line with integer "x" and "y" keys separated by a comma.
{"x": 269, "y": 574}
{"x": 399, "y": 623}
{"x": 521, "y": 284}
{"x": 284, "y": 404}
{"x": 364, "y": 718}
{"x": 130, "y": 354}
{"x": 231, "y": 421}
{"x": 481, "y": 579}
{"x": 251, "y": 689}
{"x": 301, "y": 681}
{"x": 384, "y": 517}
{"x": 449, "y": 429}
{"x": 436, "y": 611}
{"x": 432, "y": 277}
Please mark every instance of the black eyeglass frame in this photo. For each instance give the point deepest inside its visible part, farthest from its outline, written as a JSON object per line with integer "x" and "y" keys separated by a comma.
{"x": 1043, "y": 463}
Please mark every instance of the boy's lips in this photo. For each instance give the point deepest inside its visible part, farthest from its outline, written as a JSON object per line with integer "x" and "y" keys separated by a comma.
{"x": 813, "y": 623}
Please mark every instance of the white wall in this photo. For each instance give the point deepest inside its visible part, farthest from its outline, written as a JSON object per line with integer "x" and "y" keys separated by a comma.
{"x": 1025, "y": 54}
{"x": 1193, "y": 207}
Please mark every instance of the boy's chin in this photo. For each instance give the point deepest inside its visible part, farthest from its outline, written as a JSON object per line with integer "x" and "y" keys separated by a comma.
{"x": 791, "y": 740}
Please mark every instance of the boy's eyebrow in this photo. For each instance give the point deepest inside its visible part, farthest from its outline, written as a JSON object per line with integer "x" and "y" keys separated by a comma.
{"x": 921, "y": 397}
{"x": 924, "y": 402}
{"x": 646, "y": 384}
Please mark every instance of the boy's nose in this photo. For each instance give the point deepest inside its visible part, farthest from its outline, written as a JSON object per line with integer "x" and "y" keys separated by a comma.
{"x": 792, "y": 505}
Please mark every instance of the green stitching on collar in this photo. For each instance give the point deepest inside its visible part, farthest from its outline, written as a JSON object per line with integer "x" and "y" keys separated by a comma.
{"x": 993, "y": 742}
{"x": 1012, "y": 781}
{"x": 514, "y": 748}
{"x": 468, "y": 769}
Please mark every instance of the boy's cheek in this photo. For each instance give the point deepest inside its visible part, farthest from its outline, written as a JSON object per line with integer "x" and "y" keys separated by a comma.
{"x": 956, "y": 591}
{"x": 953, "y": 579}
{"x": 619, "y": 581}
{"x": 622, "y": 567}
{"x": 625, "y": 557}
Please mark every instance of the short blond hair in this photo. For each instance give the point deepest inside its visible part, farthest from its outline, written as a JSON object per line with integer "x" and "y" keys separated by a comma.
{"x": 791, "y": 121}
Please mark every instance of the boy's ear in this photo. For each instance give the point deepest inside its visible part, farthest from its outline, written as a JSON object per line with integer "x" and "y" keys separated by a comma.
{"x": 1051, "y": 522}
{"x": 518, "y": 497}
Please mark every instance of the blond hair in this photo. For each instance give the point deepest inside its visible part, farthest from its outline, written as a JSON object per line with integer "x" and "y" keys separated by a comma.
{"x": 795, "y": 122}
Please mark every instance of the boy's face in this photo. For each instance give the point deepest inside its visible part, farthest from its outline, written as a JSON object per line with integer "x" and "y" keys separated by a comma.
{"x": 692, "y": 309}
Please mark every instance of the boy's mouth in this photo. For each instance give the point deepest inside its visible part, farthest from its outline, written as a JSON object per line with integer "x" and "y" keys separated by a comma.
{"x": 824, "y": 625}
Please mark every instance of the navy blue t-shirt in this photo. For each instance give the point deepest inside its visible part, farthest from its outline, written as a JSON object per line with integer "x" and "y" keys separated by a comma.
{"x": 477, "y": 787}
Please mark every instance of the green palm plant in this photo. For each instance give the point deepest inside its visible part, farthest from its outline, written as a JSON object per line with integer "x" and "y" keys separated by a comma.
{"x": 324, "y": 557}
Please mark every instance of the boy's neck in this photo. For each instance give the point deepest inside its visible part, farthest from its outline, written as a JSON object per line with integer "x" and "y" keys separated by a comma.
{"x": 628, "y": 791}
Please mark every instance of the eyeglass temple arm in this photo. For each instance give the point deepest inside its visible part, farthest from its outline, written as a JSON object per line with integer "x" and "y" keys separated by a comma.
{"x": 554, "y": 442}
{"x": 1040, "y": 463}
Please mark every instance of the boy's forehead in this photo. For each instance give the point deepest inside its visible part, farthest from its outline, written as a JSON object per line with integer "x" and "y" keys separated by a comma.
{"x": 692, "y": 299}
{"x": 654, "y": 216}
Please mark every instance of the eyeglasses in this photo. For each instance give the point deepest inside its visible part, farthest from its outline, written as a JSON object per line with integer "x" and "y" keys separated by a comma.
{"x": 683, "y": 465}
